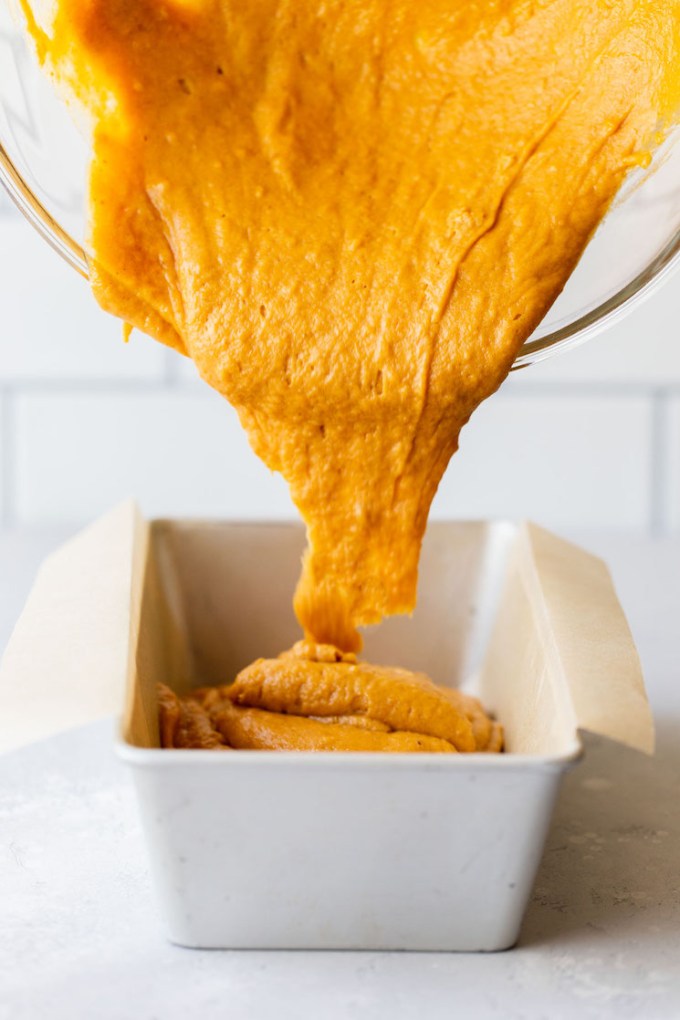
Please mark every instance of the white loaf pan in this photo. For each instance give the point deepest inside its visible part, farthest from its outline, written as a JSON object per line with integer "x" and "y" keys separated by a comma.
{"x": 357, "y": 851}
{"x": 372, "y": 851}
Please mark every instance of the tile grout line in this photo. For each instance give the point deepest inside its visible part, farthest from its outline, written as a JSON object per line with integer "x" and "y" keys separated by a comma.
{"x": 170, "y": 379}
{"x": 8, "y": 457}
{"x": 658, "y": 472}
{"x": 602, "y": 388}
{"x": 45, "y": 386}
{"x": 170, "y": 369}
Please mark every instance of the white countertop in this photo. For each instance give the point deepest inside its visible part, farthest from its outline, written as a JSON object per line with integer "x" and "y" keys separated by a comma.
{"x": 79, "y": 936}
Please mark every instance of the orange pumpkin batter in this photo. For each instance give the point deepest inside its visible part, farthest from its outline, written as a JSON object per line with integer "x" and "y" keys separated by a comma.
{"x": 350, "y": 214}
{"x": 314, "y": 698}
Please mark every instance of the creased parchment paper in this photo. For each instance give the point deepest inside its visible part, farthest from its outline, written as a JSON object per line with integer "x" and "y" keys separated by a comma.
{"x": 68, "y": 657}
{"x": 127, "y": 603}
{"x": 561, "y": 656}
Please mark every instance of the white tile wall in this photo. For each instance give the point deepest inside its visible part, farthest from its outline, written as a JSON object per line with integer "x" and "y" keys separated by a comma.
{"x": 671, "y": 413}
{"x": 641, "y": 350}
{"x": 565, "y": 460}
{"x": 51, "y": 328}
{"x": 589, "y": 439}
{"x": 177, "y": 452}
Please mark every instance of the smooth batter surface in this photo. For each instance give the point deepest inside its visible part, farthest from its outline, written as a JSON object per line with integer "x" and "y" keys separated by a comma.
{"x": 351, "y": 215}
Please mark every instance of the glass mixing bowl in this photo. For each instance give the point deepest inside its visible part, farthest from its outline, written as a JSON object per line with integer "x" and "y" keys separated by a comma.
{"x": 43, "y": 165}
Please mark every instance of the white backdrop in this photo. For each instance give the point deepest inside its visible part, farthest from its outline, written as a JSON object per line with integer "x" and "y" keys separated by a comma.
{"x": 589, "y": 439}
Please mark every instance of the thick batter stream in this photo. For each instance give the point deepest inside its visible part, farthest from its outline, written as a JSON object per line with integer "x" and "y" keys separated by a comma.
{"x": 351, "y": 214}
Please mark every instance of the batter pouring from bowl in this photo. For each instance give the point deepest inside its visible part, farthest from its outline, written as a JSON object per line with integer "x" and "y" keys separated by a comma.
{"x": 351, "y": 215}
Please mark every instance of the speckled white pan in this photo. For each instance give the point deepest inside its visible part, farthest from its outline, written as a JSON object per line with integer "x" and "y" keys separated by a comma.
{"x": 361, "y": 851}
